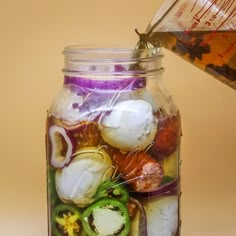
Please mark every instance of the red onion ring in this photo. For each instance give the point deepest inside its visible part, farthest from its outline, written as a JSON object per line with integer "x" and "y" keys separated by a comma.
{"x": 113, "y": 84}
{"x": 143, "y": 218}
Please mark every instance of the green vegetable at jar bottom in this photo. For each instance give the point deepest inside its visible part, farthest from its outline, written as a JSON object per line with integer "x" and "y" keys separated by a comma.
{"x": 106, "y": 217}
{"x": 66, "y": 221}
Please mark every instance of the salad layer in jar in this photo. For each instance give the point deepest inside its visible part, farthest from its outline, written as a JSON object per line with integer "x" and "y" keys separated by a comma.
{"x": 113, "y": 161}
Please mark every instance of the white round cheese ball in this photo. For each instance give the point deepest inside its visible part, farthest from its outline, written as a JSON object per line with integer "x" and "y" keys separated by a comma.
{"x": 162, "y": 216}
{"x": 130, "y": 125}
{"x": 66, "y": 105}
{"x": 79, "y": 181}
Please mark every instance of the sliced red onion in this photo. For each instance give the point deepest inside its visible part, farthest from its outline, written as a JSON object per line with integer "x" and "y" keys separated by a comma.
{"x": 112, "y": 84}
{"x": 142, "y": 218}
{"x": 170, "y": 188}
{"x": 57, "y": 136}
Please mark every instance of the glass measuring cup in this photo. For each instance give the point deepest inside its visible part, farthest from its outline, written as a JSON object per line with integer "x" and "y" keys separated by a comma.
{"x": 202, "y": 32}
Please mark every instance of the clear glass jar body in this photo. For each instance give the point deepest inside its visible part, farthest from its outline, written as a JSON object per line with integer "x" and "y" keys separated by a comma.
{"x": 113, "y": 138}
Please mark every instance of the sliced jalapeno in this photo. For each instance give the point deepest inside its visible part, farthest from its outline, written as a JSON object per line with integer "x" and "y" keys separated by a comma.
{"x": 66, "y": 221}
{"x": 112, "y": 189}
{"x": 106, "y": 217}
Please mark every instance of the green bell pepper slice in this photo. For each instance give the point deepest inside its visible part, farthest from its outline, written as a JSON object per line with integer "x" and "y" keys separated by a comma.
{"x": 106, "y": 217}
{"x": 112, "y": 189}
{"x": 66, "y": 221}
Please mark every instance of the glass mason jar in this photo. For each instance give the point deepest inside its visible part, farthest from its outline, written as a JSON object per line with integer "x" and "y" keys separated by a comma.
{"x": 113, "y": 137}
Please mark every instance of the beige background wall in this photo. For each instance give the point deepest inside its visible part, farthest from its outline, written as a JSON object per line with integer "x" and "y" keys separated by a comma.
{"x": 32, "y": 36}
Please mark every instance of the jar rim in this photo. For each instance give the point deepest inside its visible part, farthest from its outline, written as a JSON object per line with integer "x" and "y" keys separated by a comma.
{"x": 98, "y": 53}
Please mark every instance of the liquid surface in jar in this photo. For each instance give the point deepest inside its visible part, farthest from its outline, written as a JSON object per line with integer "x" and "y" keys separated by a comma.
{"x": 211, "y": 51}
{"x": 117, "y": 167}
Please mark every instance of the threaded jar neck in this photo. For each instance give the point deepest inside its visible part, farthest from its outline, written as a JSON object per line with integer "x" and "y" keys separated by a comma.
{"x": 114, "y": 68}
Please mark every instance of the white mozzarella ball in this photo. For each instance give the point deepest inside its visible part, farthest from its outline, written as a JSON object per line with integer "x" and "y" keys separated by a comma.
{"x": 131, "y": 124}
{"x": 79, "y": 181}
